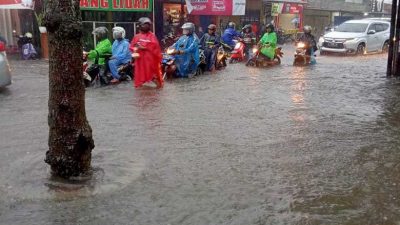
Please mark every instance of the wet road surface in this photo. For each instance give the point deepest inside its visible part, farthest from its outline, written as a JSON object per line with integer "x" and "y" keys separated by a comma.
{"x": 246, "y": 146}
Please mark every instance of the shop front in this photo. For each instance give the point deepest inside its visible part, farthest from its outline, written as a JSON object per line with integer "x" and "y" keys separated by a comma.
{"x": 123, "y": 13}
{"x": 285, "y": 15}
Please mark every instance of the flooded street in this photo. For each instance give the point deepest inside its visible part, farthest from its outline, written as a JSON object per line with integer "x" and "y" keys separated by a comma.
{"x": 244, "y": 146}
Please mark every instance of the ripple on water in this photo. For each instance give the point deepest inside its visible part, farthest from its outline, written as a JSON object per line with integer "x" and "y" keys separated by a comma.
{"x": 112, "y": 170}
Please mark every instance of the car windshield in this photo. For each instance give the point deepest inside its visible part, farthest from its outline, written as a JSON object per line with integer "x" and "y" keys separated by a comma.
{"x": 352, "y": 27}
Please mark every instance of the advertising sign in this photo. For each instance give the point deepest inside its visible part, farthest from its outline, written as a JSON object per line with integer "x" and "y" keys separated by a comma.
{"x": 16, "y": 4}
{"x": 117, "y": 5}
{"x": 216, "y": 7}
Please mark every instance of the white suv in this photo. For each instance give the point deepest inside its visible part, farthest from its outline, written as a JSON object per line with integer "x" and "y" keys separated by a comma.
{"x": 358, "y": 37}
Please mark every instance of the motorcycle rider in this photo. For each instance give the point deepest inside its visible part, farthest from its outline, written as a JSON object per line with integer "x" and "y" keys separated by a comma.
{"x": 210, "y": 43}
{"x": 187, "y": 51}
{"x": 120, "y": 53}
{"x": 147, "y": 63}
{"x": 230, "y": 34}
{"x": 249, "y": 39}
{"x": 308, "y": 39}
{"x": 103, "y": 48}
{"x": 268, "y": 42}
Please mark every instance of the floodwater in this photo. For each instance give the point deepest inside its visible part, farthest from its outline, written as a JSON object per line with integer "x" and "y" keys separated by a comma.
{"x": 245, "y": 146}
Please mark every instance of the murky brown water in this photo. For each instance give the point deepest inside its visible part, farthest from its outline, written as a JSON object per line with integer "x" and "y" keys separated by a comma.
{"x": 285, "y": 145}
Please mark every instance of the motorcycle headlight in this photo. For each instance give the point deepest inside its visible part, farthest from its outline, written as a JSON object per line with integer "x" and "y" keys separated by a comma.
{"x": 237, "y": 45}
{"x": 301, "y": 45}
{"x": 170, "y": 51}
{"x": 255, "y": 50}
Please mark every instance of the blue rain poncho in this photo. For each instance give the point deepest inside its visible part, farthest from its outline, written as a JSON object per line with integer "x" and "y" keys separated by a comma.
{"x": 188, "y": 61}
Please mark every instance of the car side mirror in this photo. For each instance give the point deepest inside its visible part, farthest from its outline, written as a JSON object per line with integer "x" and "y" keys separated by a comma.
{"x": 371, "y": 32}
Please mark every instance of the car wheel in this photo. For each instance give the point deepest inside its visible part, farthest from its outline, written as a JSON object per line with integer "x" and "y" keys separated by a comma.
{"x": 360, "y": 49}
{"x": 385, "y": 47}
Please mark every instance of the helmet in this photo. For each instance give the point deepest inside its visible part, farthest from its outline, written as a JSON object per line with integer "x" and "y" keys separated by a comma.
{"x": 189, "y": 27}
{"x": 231, "y": 25}
{"x": 270, "y": 26}
{"x": 28, "y": 35}
{"x": 144, "y": 20}
{"x": 101, "y": 32}
{"x": 212, "y": 27}
{"x": 118, "y": 32}
{"x": 307, "y": 29}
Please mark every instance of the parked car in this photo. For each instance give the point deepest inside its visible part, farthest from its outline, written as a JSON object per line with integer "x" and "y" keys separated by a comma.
{"x": 357, "y": 37}
{"x": 386, "y": 19}
{"x": 5, "y": 72}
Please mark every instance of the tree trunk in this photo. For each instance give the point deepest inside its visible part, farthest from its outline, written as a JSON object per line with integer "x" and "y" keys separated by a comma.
{"x": 70, "y": 135}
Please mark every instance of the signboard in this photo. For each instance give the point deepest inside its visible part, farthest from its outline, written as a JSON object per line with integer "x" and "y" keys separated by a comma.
{"x": 16, "y": 4}
{"x": 276, "y": 9}
{"x": 117, "y": 5}
{"x": 216, "y": 7}
{"x": 286, "y": 8}
{"x": 292, "y": 8}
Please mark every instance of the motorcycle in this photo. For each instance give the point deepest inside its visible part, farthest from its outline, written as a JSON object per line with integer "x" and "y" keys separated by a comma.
{"x": 93, "y": 73}
{"x": 301, "y": 58}
{"x": 259, "y": 60}
{"x": 237, "y": 55}
{"x": 221, "y": 58}
{"x": 168, "y": 63}
{"x": 169, "y": 67}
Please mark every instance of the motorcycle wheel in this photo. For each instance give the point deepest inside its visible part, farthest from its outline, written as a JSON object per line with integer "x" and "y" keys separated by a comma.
{"x": 279, "y": 60}
{"x": 251, "y": 62}
{"x": 199, "y": 71}
{"x": 232, "y": 61}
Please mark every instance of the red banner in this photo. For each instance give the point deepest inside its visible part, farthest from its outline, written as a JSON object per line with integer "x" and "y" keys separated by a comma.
{"x": 293, "y": 8}
{"x": 211, "y": 7}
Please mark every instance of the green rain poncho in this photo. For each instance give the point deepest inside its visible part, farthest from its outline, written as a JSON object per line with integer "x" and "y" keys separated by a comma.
{"x": 271, "y": 39}
{"x": 103, "y": 47}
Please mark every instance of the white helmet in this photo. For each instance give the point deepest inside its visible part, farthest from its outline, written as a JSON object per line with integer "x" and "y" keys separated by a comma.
{"x": 28, "y": 35}
{"x": 118, "y": 32}
{"x": 307, "y": 29}
{"x": 189, "y": 27}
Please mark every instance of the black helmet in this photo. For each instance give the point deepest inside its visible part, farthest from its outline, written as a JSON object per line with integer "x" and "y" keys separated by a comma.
{"x": 144, "y": 20}
{"x": 270, "y": 26}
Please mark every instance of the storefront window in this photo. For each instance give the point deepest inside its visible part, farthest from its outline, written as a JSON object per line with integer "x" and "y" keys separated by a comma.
{"x": 172, "y": 17}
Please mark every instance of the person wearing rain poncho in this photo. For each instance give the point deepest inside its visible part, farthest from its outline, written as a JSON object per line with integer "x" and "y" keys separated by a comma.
{"x": 103, "y": 46}
{"x": 310, "y": 42}
{"x": 120, "y": 53}
{"x": 268, "y": 42}
{"x": 187, "y": 47}
{"x": 147, "y": 53}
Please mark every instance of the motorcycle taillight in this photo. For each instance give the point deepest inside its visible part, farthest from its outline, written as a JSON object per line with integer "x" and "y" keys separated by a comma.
{"x": 2, "y": 47}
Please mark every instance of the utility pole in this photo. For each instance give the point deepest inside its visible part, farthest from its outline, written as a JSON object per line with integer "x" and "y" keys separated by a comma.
{"x": 393, "y": 57}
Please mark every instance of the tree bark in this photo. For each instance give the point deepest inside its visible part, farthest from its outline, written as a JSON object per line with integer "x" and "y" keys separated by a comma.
{"x": 70, "y": 135}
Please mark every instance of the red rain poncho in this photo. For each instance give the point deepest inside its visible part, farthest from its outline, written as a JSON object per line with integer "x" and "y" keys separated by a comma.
{"x": 148, "y": 64}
